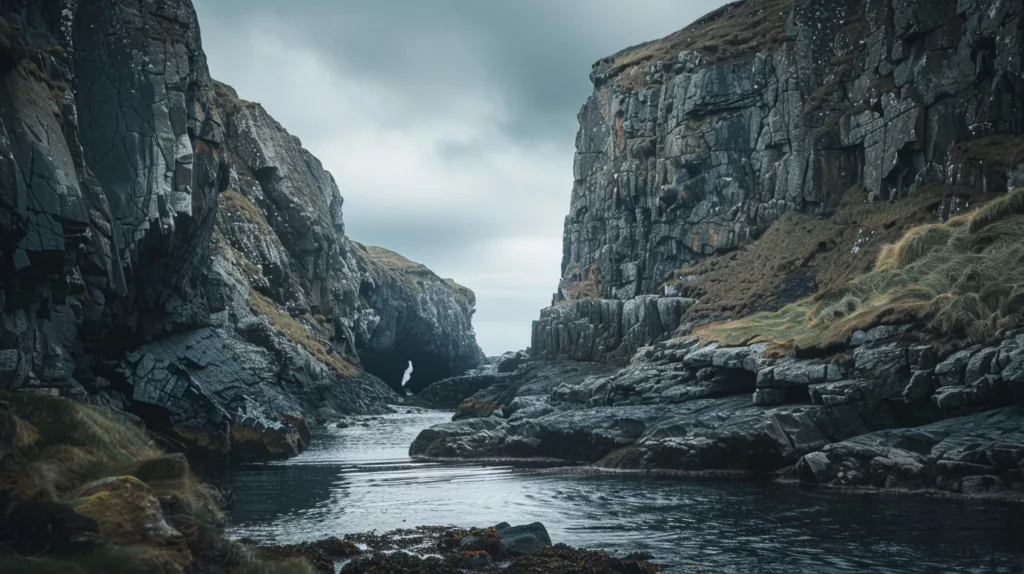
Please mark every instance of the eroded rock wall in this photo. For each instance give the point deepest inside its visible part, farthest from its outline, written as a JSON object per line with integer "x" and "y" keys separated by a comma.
{"x": 113, "y": 154}
{"x": 693, "y": 145}
{"x": 414, "y": 316}
{"x": 170, "y": 249}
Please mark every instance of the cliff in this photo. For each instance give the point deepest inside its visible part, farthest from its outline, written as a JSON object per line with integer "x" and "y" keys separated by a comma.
{"x": 797, "y": 228}
{"x": 169, "y": 249}
{"x": 765, "y": 119}
{"x": 419, "y": 317}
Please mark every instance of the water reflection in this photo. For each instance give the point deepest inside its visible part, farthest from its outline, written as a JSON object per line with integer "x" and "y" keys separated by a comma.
{"x": 360, "y": 479}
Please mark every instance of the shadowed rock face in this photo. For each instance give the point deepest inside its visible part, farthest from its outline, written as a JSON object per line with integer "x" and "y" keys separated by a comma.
{"x": 170, "y": 249}
{"x": 693, "y": 145}
{"x": 417, "y": 317}
{"x": 112, "y": 153}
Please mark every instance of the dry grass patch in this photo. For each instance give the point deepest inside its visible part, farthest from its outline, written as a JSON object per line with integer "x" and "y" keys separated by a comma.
{"x": 730, "y": 32}
{"x": 580, "y": 284}
{"x": 67, "y": 444}
{"x": 300, "y": 334}
{"x": 995, "y": 153}
{"x": 963, "y": 280}
{"x": 237, "y": 203}
{"x": 394, "y": 261}
{"x": 800, "y": 255}
{"x": 63, "y": 445}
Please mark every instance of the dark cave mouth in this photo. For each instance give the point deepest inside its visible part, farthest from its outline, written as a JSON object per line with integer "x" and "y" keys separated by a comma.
{"x": 393, "y": 367}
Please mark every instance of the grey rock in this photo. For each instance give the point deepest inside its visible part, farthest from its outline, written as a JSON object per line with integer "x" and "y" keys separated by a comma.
{"x": 698, "y": 159}
{"x": 959, "y": 455}
{"x": 525, "y": 539}
{"x": 921, "y": 386}
{"x": 876, "y": 334}
{"x": 889, "y": 363}
{"x": 164, "y": 237}
{"x": 420, "y": 317}
{"x": 951, "y": 372}
{"x": 598, "y": 330}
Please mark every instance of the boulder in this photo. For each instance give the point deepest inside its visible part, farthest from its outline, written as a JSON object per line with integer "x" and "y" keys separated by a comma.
{"x": 524, "y": 539}
{"x": 472, "y": 408}
{"x": 126, "y": 510}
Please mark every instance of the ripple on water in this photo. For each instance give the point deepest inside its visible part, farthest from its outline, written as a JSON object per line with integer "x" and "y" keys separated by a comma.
{"x": 360, "y": 479}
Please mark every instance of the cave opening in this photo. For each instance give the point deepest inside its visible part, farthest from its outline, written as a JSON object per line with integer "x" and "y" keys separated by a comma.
{"x": 407, "y": 367}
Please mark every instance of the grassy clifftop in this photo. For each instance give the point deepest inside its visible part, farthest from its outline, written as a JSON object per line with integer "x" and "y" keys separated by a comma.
{"x": 732, "y": 31}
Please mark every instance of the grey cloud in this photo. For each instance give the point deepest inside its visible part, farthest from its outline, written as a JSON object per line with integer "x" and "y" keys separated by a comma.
{"x": 505, "y": 77}
{"x": 535, "y": 55}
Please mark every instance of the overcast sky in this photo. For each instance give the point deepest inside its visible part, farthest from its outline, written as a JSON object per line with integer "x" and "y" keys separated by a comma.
{"x": 449, "y": 125}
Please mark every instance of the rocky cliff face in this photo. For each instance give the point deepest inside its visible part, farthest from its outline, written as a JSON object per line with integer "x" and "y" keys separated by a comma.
{"x": 169, "y": 249}
{"x": 415, "y": 317}
{"x": 778, "y": 152}
{"x": 694, "y": 145}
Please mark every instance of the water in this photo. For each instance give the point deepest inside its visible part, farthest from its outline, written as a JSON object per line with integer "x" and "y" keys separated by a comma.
{"x": 360, "y": 479}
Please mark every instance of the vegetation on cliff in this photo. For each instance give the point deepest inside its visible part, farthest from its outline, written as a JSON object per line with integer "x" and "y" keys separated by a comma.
{"x": 961, "y": 280}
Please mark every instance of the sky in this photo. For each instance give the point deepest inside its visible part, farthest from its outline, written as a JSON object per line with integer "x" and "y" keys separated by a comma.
{"x": 449, "y": 125}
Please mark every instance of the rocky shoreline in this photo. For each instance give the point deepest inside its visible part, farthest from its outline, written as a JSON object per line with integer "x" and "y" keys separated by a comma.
{"x": 897, "y": 415}
{"x": 443, "y": 550}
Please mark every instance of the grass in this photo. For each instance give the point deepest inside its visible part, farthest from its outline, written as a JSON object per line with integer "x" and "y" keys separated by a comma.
{"x": 464, "y": 294}
{"x": 62, "y": 445}
{"x": 728, "y": 33}
{"x": 998, "y": 153}
{"x": 235, "y": 202}
{"x": 300, "y": 334}
{"x": 227, "y": 98}
{"x": 962, "y": 280}
{"x": 394, "y": 261}
{"x": 800, "y": 254}
{"x": 416, "y": 275}
{"x": 581, "y": 285}
{"x": 70, "y": 444}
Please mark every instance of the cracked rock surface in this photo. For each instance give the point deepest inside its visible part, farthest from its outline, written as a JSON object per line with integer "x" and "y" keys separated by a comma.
{"x": 169, "y": 249}
{"x": 692, "y": 146}
{"x": 898, "y": 414}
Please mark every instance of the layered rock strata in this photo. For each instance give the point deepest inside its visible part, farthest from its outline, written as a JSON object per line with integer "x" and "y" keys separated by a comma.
{"x": 168, "y": 248}
{"x": 693, "y": 145}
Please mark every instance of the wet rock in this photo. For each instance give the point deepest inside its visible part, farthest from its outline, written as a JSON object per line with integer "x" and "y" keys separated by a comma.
{"x": 253, "y": 439}
{"x": 525, "y": 539}
{"x": 487, "y": 541}
{"x": 941, "y": 455}
{"x": 448, "y": 393}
